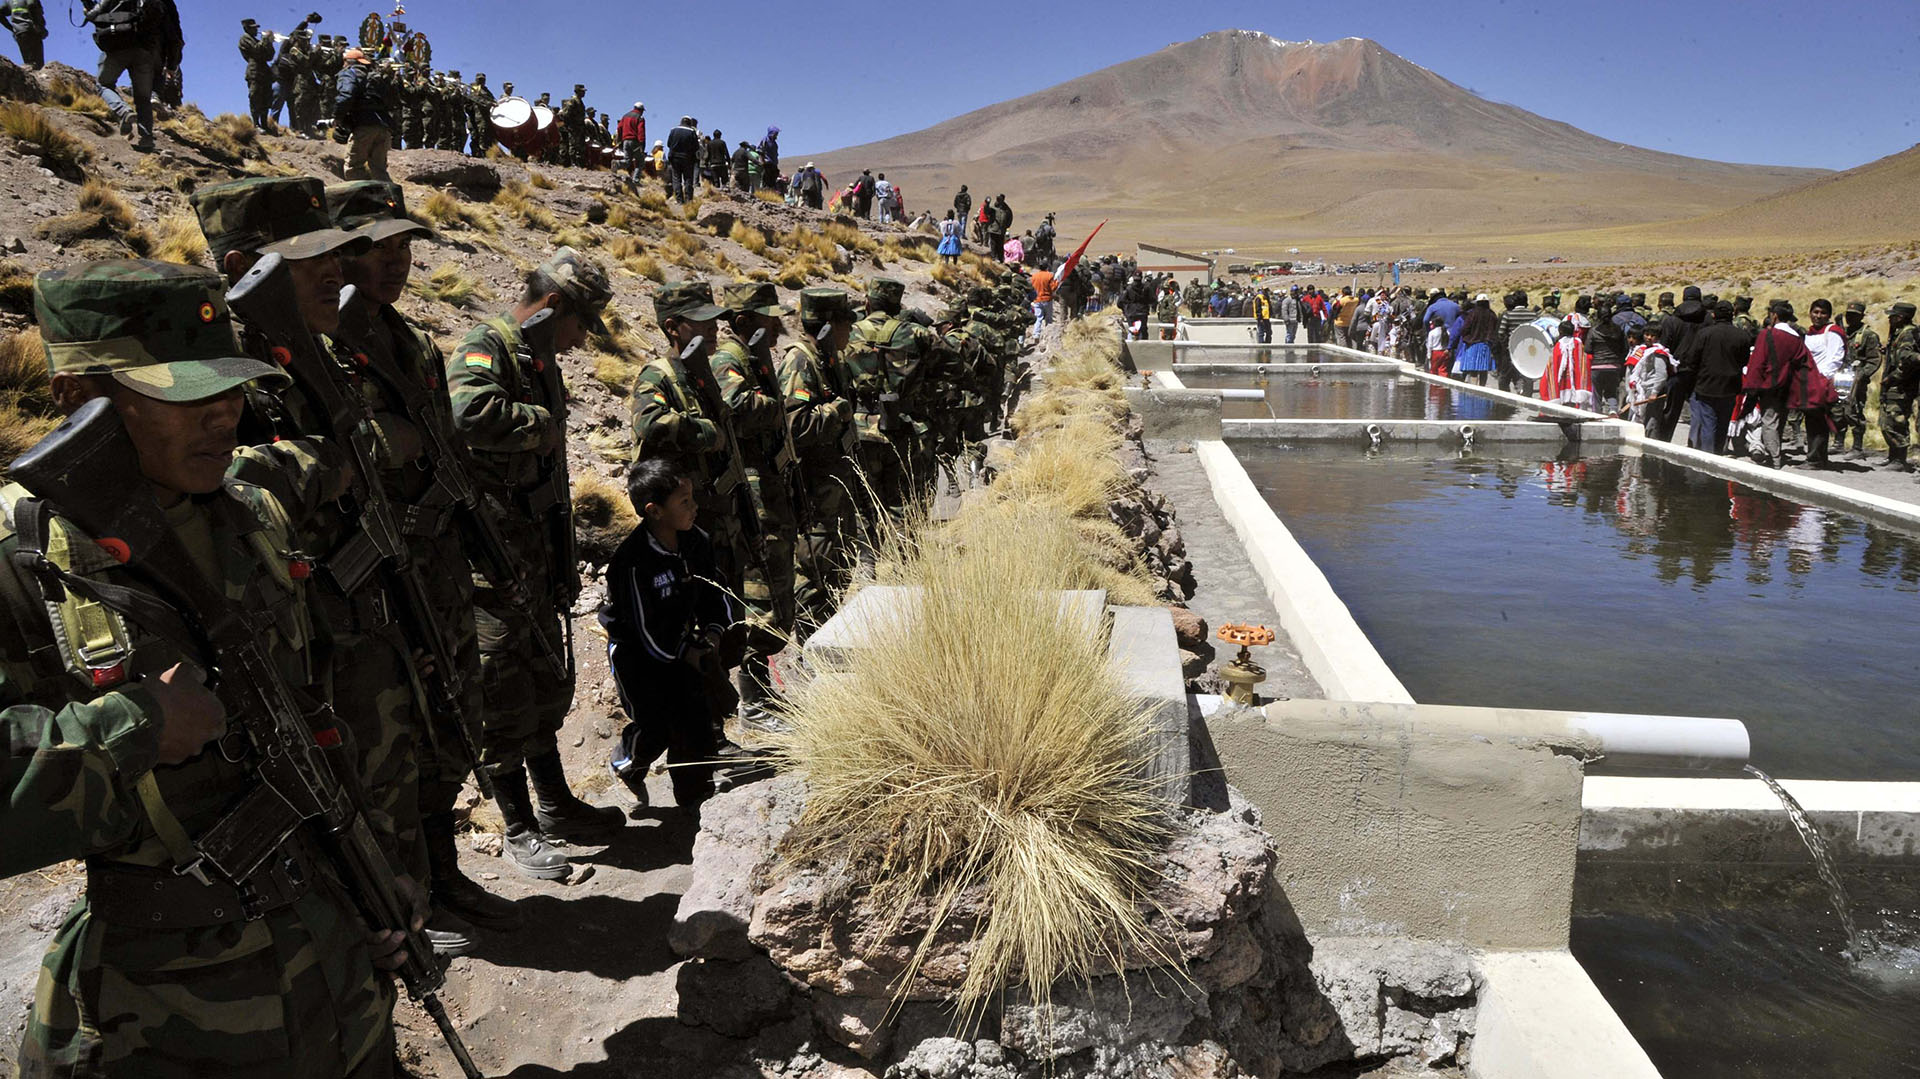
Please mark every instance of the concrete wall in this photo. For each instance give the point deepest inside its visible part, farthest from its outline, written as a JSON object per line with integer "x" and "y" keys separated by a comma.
{"x": 1384, "y": 827}
{"x": 1541, "y": 1017}
{"x": 1740, "y": 822}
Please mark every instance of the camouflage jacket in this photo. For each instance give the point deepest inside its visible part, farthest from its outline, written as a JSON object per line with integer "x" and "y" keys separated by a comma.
{"x": 678, "y": 416}
{"x": 1864, "y": 348}
{"x": 820, "y": 418}
{"x": 508, "y": 402}
{"x": 753, "y": 397}
{"x": 77, "y": 752}
{"x": 885, "y": 355}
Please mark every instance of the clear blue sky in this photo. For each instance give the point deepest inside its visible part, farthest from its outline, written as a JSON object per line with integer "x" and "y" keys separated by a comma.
{"x": 1830, "y": 85}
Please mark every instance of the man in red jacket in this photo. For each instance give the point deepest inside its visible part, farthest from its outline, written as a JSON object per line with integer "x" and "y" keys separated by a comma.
{"x": 1781, "y": 377}
{"x": 633, "y": 138}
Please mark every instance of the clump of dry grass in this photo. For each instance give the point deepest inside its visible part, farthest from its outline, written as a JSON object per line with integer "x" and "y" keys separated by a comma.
{"x": 449, "y": 284}
{"x": 445, "y": 210}
{"x": 850, "y": 238}
{"x": 56, "y": 149}
{"x": 652, "y": 199}
{"x": 691, "y": 210}
{"x": 619, "y": 338}
{"x": 26, "y": 405}
{"x": 806, "y": 241}
{"x": 73, "y": 97}
{"x": 749, "y": 237}
{"x": 981, "y": 747}
{"x": 1085, "y": 380}
{"x": 537, "y": 180}
{"x": 603, "y": 516}
{"x": 228, "y": 136}
{"x": 616, "y": 373}
{"x": 96, "y": 196}
{"x": 16, "y": 288}
{"x": 578, "y": 238}
{"x": 517, "y": 201}
{"x": 767, "y": 194}
{"x": 645, "y": 266}
{"x": 180, "y": 240}
{"x": 958, "y": 276}
{"x": 798, "y": 270}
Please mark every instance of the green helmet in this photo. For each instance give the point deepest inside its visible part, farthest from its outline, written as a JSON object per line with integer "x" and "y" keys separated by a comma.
{"x": 159, "y": 328}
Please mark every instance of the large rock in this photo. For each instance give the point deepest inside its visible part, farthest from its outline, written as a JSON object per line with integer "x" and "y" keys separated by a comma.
{"x": 739, "y": 831}
{"x": 1189, "y": 629}
{"x": 18, "y": 84}
{"x": 477, "y": 180}
{"x": 737, "y": 997}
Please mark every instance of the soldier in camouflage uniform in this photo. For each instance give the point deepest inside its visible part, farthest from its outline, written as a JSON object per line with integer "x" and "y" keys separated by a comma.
{"x": 1899, "y": 385}
{"x": 1866, "y": 352}
{"x": 883, "y": 362}
{"x": 370, "y": 675}
{"x": 328, "y": 59}
{"x": 305, "y": 100}
{"x": 405, "y": 383}
{"x": 454, "y": 104}
{"x": 1743, "y": 316}
{"x": 964, "y": 355}
{"x": 158, "y": 972}
{"x": 480, "y": 115}
{"x": 572, "y": 121}
{"x": 820, "y": 414}
{"x": 257, "y": 52}
{"x": 678, "y": 414}
{"x": 743, "y": 368}
{"x": 413, "y": 106}
{"x": 510, "y": 409}
{"x": 433, "y": 106}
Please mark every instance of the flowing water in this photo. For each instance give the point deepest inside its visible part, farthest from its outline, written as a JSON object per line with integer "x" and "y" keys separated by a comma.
{"x": 1822, "y": 858}
{"x": 1349, "y": 395}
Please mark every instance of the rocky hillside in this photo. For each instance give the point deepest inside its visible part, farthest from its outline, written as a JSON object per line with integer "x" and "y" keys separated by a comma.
{"x": 72, "y": 190}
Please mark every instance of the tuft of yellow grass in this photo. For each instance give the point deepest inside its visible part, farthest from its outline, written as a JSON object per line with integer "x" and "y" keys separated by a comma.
{"x": 180, "y": 240}
{"x": 767, "y": 194}
{"x": 980, "y": 747}
{"x": 798, "y": 270}
{"x": 97, "y": 196}
{"x": 56, "y": 149}
{"x": 614, "y": 372}
{"x": 537, "y": 180}
{"x": 445, "y": 210}
{"x": 449, "y": 284}
{"x": 749, "y": 237}
{"x": 646, "y": 266}
{"x": 652, "y": 199}
{"x": 578, "y": 238}
{"x": 516, "y": 200}
{"x": 802, "y": 240}
{"x": 849, "y": 237}
{"x": 73, "y": 97}
{"x": 26, "y": 405}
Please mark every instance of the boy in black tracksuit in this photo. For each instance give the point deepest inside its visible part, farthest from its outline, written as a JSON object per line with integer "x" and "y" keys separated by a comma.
{"x": 665, "y": 613}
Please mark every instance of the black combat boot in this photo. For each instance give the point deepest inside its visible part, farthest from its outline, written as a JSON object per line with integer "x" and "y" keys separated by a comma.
{"x": 525, "y": 846}
{"x": 1896, "y": 460}
{"x": 453, "y": 892}
{"x": 559, "y": 813}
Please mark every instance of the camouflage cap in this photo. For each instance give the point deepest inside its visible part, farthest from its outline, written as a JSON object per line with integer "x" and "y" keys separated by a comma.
{"x": 980, "y": 296}
{"x": 583, "y": 281}
{"x": 753, "y": 297}
{"x": 159, "y": 328}
{"x": 271, "y": 215}
{"x": 1902, "y": 308}
{"x": 690, "y": 300}
{"x": 375, "y": 209}
{"x": 1856, "y": 307}
{"x": 886, "y": 289}
{"x": 824, "y": 304}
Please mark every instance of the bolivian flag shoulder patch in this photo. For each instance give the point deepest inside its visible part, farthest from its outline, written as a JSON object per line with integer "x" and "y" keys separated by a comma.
{"x": 801, "y": 394}
{"x": 482, "y": 360}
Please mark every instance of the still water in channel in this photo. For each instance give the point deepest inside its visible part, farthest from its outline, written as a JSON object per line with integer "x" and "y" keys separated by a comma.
{"x": 1636, "y": 585}
{"x": 1343, "y": 395}
{"x": 1621, "y": 584}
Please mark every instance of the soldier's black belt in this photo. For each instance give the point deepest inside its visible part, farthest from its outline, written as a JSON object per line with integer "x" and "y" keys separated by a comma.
{"x": 140, "y": 898}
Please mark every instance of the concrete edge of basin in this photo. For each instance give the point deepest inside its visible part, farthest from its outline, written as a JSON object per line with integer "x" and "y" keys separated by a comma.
{"x": 1404, "y": 431}
{"x": 1541, "y": 1017}
{"x": 1739, "y": 821}
{"x": 1336, "y": 652}
{"x": 1798, "y": 486}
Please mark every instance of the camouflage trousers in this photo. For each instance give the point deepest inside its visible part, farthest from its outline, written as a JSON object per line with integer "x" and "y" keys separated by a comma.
{"x": 823, "y": 558}
{"x": 480, "y": 122}
{"x": 378, "y": 699}
{"x": 260, "y": 100}
{"x": 767, "y": 586}
{"x": 1898, "y": 387}
{"x": 305, "y": 105}
{"x": 526, "y": 702}
{"x": 883, "y": 482}
{"x": 1854, "y": 408}
{"x": 291, "y": 995}
{"x": 457, "y": 132}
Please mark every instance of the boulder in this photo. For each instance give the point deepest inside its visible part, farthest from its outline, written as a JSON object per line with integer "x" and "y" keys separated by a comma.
{"x": 18, "y": 84}
{"x": 737, "y": 997}
{"x": 731, "y": 856}
{"x": 716, "y": 217}
{"x": 1189, "y": 629}
{"x": 476, "y": 180}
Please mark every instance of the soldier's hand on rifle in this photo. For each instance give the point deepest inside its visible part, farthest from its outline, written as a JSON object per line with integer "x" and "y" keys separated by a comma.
{"x": 388, "y": 947}
{"x": 423, "y": 662}
{"x": 190, "y": 714}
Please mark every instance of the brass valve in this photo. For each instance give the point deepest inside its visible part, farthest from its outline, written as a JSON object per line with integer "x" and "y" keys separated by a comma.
{"x": 1242, "y": 674}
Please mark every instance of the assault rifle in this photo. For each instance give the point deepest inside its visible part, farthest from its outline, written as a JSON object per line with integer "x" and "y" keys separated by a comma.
{"x": 266, "y": 300}
{"x": 298, "y": 751}
{"x": 478, "y": 520}
{"x": 788, "y": 459}
{"x": 556, "y": 491}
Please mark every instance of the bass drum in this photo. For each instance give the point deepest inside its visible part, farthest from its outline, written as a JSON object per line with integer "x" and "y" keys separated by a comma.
{"x": 513, "y": 124}
{"x": 546, "y": 135}
{"x": 1530, "y": 346}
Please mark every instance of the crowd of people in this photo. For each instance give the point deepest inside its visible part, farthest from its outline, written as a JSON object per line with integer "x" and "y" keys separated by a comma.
{"x": 1770, "y": 388}
{"x": 377, "y": 559}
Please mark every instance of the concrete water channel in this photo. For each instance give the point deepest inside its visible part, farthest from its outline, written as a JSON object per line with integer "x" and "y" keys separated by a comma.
{"x": 1466, "y": 547}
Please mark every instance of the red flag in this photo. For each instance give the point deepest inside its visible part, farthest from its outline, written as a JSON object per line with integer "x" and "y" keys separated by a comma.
{"x": 1066, "y": 268}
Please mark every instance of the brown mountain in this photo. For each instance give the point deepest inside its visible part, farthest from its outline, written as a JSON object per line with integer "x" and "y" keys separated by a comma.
{"x": 1238, "y": 137}
{"x": 1873, "y": 203}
